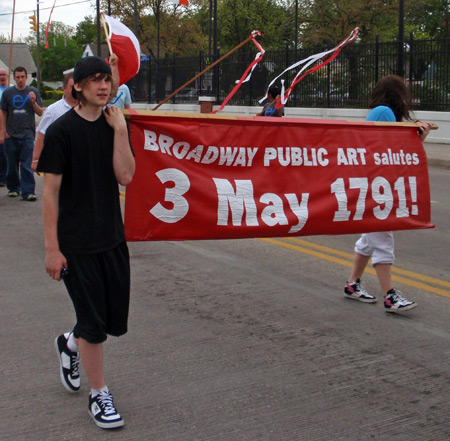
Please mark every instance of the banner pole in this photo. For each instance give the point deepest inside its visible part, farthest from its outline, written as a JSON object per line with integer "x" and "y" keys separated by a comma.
{"x": 204, "y": 71}
{"x": 102, "y": 19}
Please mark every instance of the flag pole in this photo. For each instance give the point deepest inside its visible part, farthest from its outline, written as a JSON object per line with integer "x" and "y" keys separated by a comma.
{"x": 204, "y": 71}
{"x": 103, "y": 21}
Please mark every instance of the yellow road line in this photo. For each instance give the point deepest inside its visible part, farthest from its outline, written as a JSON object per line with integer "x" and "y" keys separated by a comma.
{"x": 325, "y": 252}
{"x": 347, "y": 263}
{"x": 396, "y": 270}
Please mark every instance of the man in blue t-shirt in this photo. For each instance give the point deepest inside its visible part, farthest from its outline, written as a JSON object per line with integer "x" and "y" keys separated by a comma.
{"x": 19, "y": 105}
{"x": 270, "y": 109}
{"x": 123, "y": 98}
{"x": 3, "y": 86}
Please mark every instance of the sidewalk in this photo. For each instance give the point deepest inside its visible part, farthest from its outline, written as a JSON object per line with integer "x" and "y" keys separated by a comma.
{"x": 438, "y": 155}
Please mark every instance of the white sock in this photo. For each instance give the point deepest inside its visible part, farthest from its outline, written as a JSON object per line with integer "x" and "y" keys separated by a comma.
{"x": 71, "y": 344}
{"x": 95, "y": 392}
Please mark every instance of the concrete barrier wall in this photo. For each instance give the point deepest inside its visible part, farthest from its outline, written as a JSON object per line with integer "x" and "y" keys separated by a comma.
{"x": 441, "y": 119}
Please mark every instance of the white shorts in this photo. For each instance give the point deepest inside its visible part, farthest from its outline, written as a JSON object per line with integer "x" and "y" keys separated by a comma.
{"x": 380, "y": 246}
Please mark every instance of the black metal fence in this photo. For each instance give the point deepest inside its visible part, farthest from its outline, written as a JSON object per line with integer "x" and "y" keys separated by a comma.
{"x": 346, "y": 82}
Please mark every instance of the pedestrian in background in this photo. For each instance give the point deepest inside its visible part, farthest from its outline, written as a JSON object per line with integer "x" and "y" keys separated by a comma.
{"x": 3, "y": 86}
{"x": 270, "y": 109}
{"x": 51, "y": 114}
{"x": 19, "y": 104}
{"x": 123, "y": 98}
{"x": 389, "y": 101}
{"x": 86, "y": 154}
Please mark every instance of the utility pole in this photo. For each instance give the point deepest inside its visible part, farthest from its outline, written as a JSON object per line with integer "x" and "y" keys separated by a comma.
{"x": 401, "y": 37}
{"x": 296, "y": 27}
{"x": 135, "y": 19}
{"x": 38, "y": 50}
{"x": 99, "y": 36}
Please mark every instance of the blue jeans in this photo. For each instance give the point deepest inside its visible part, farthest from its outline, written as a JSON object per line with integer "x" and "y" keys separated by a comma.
{"x": 19, "y": 153}
{"x": 2, "y": 165}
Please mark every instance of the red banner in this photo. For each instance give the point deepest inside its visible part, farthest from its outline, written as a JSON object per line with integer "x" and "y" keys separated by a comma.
{"x": 214, "y": 177}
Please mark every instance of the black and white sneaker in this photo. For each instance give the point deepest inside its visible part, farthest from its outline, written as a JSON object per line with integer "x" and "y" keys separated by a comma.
{"x": 68, "y": 361}
{"x": 394, "y": 302}
{"x": 103, "y": 412}
{"x": 356, "y": 290}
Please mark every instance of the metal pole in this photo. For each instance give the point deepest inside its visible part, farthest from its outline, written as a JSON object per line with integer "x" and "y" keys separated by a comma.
{"x": 99, "y": 37}
{"x": 210, "y": 29}
{"x": 216, "y": 70}
{"x": 215, "y": 28}
{"x": 158, "y": 13}
{"x": 135, "y": 19}
{"x": 296, "y": 27}
{"x": 158, "y": 5}
{"x": 401, "y": 38}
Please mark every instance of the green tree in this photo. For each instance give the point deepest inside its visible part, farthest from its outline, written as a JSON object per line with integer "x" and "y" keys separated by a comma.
{"x": 428, "y": 18}
{"x": 86, "y": 31}
{"x": 180, "y": 32}
{"x": 238, "y": 18}
{"x": 324, "y": 21}
{"x": 62, "y": 53}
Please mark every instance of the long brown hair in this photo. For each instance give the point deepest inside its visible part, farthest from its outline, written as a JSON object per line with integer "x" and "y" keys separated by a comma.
{"x": 392, "y": 91}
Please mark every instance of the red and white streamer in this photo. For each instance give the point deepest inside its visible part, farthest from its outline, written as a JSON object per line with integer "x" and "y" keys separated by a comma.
{"x": 248, "y": 72}
{"x": 48, "y": 25}
{"x": 308, "y": 62}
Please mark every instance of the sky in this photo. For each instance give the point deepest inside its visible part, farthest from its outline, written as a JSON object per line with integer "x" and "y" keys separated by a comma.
{"x": 70, "y": 12}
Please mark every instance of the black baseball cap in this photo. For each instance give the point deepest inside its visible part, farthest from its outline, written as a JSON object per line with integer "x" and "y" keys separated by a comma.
{"x": 86, "y": 67}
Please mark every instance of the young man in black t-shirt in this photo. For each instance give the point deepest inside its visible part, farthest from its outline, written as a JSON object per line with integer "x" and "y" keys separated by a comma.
{"x": 86, "y": 154}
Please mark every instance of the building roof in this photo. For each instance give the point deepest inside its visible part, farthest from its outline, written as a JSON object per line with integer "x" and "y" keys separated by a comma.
{"x": 91, "y": 49}
{"x": 21, "y": 56}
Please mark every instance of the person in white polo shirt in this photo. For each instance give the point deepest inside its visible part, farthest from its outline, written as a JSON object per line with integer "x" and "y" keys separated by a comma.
{"x": 51, "y": 114}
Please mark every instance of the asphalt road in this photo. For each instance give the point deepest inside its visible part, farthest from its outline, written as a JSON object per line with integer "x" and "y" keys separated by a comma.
{"x": 237, "y": 340}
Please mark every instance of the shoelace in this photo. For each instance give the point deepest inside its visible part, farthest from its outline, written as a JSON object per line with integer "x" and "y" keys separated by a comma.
{"x": 362, "y": 288}
{"x": 106, "y": 401}
{"x": 359, "y": 288}
{"x": 397, "y": 298}
{"x": 74, "y": 362}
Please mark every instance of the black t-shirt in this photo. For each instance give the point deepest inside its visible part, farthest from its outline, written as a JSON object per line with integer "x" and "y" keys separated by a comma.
{"x": 89, "y": 219}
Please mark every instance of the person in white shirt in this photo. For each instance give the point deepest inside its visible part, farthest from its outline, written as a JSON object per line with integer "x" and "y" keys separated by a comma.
{"x": 51, "y": 114}
{"x": 123, "y": 98}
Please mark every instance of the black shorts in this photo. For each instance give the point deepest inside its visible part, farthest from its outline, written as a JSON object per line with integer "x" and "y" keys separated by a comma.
{"x": 99, "y": 286}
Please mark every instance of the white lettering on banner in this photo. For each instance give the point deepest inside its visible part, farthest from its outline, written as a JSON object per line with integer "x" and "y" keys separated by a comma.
{"x": 301, "y": 211}
{"x": 237, "y": 201}
{"x": 400, "y": 158}
{"x": 382, "y": 194}
{"x": 243, "y": 199}
{"x": 173, "y": 195}
{"x": 234, "y": 156}
{"x": 211, "y": 155}
{"x": 228, "y": 156}
{"x": 296, "y": 156}
{"x": 349, "y": 156}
